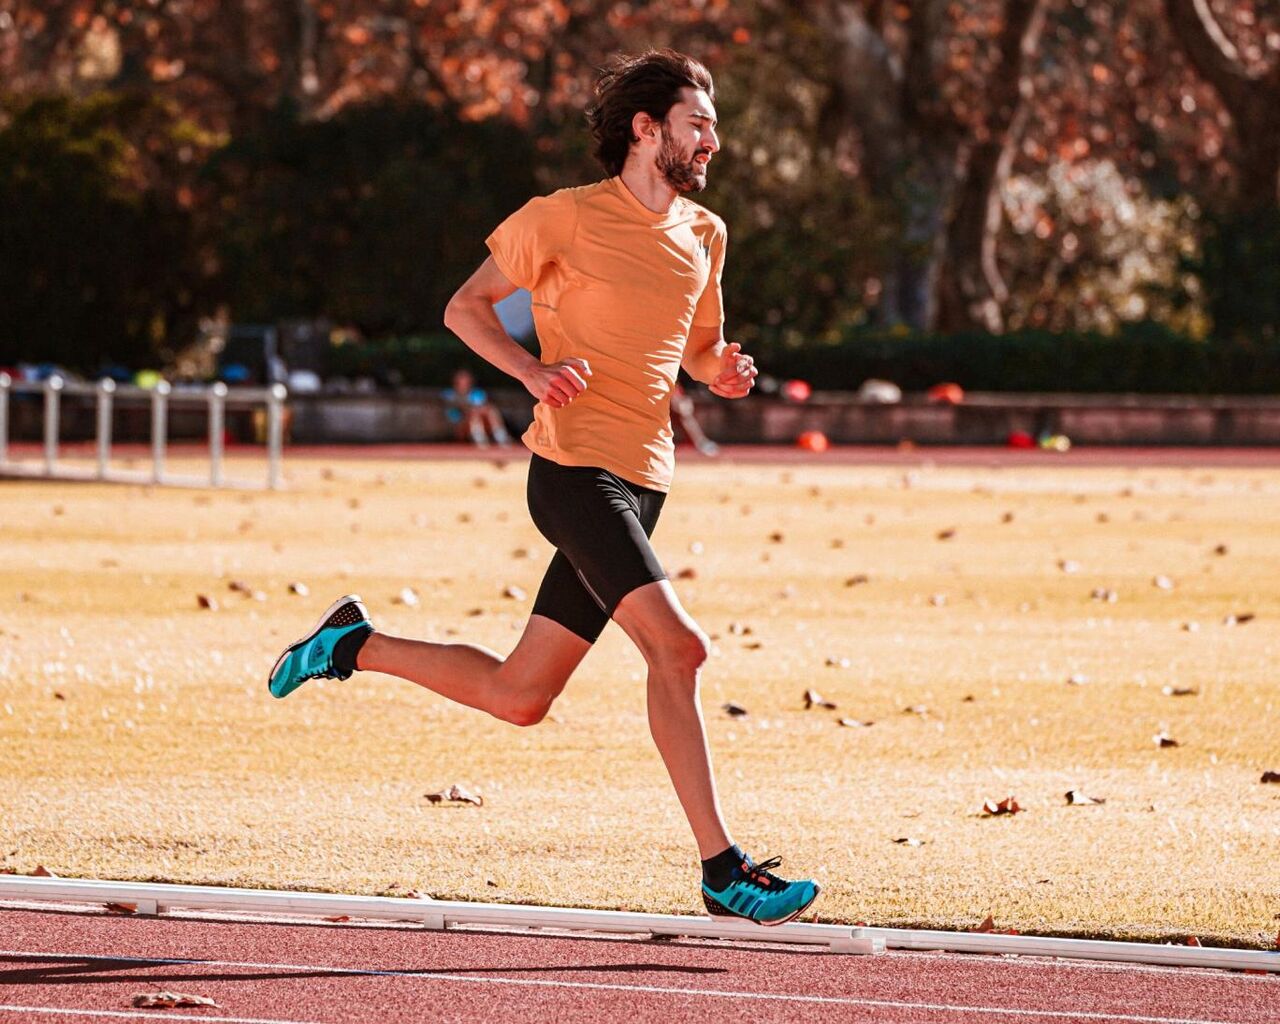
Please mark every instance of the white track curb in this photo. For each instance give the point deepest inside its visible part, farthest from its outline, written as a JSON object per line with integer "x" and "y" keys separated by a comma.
{"x": 152, "y": 898}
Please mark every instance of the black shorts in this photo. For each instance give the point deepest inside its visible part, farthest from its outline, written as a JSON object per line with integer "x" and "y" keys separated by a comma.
{"x": 600, "y": 526}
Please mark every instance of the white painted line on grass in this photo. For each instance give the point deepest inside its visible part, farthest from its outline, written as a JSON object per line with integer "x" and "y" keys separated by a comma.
{"x": 144, "y": 1015}
{"x": 781, "y": 997}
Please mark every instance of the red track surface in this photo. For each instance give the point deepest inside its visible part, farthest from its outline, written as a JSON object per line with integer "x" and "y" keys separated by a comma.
{"x": 71, "y": 966}
{"x": 737, "y": 454}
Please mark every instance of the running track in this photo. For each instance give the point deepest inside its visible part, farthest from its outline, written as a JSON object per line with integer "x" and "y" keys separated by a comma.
{"x": 1262, "y": 456}
{"x": 63, "y": 966}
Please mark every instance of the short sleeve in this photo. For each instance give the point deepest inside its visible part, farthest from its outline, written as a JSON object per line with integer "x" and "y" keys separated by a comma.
{"x": 709, "y": 311}
{"x": 533, "y": 237}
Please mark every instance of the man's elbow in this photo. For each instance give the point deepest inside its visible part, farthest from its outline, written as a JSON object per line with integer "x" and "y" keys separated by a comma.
{"x": 454, "y": 311}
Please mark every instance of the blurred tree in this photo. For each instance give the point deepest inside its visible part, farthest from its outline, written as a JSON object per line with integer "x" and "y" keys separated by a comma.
{"x": 1247, "y": 84}
{"x": 97, "y": 266}
{"x": 370, "y": 218}
{"x": 930, "y": 98}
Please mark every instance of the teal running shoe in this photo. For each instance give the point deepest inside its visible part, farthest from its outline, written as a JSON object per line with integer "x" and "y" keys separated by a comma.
{"x": 312, "y": 656}
{"x": 760, "y": 896}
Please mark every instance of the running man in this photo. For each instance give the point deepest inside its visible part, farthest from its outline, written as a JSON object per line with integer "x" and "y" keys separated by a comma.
{"x": 625, "y": 276}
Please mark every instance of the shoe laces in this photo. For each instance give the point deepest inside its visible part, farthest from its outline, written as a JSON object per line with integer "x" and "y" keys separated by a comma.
{"x": 760, "y": 876}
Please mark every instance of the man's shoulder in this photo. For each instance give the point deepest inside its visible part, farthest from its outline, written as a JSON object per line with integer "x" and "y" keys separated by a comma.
{"x": 703, "y": 218}
{"x": 574, "y": 195}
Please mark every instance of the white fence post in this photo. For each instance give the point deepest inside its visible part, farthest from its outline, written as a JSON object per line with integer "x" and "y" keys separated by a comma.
{"x": 5, "y": 382}
{"x": 275, "y": 433}
{"x": 52, "y": 392}
{"x": 217, "y": 421}
{"x": 159, "y": 428}
{"x": 107, "y": 395}
{"x": 106, "y": 389}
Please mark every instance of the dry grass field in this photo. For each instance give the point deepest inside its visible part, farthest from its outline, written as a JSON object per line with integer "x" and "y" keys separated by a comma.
{"x": 965, "y": 613}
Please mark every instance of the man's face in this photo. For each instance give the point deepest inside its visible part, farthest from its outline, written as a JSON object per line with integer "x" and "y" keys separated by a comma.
{"x": 688, "y": 141}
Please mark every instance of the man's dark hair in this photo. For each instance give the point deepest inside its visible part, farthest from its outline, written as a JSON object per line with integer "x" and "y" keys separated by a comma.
{"x": 648, "y": 82}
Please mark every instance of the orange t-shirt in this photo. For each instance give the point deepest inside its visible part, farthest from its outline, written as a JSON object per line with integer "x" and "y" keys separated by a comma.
{"x": 620, "y": 286}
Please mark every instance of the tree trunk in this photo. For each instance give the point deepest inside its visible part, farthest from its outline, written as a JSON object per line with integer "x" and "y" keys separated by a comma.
{"x": 972, "y": 292}
{"x": 908, "y": 143}
{"x": 1251, "y": 100}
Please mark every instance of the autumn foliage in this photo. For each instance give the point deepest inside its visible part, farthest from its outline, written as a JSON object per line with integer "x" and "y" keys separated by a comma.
{"x": 949, "y": 165}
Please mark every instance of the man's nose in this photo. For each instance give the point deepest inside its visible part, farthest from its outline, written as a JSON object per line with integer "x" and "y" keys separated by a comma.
{"x": 710, "y": 141}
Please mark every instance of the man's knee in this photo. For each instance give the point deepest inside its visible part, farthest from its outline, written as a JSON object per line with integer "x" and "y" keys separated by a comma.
{"x": 529, "y": 705}
{"x": 527, "y": 712}
{"x": 683, "y": 651}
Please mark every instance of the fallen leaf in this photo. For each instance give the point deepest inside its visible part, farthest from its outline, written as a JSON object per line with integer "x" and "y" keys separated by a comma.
{"x": 909, "y": 841}
{"x": 1179, "y": 691}
{"x": 206, "y": 602}
{"x": 514, "y": 592}
{"x": 857, "y": 580}
{"x": 339, "y": 917}
{"x": 812, "y": 699}
{"x": 1008, "y": 805}
{"x": 1221, "y": 549}
{"x": 301, "y": 589}
{"x": 988, "y": 927}
{"x": 407, "y": 597}
{"x": 491, "y": 882}
{"x": 733, "y": 710}
{"x": 42, "y": 872}
{"x": 1239, "y": 620}
{"x": 1271, "y": 776}
{"x": 238, "y": 586}
{"x": 755, "y": 645}
{"x": 122, "y": 908}
{"x": 168, "y": 1000}
{"x": 777, "y": 537}
{"x": 1191, "y": 940}
{"x": 946, "y": 534}
{"x": 455, "y": 794}
{"x": 853, "y": 723}
{"x": 58, "y": 696}
{"x": 1163, "y": 739}
{"x": 1075, "y": 798}
{"x": 687, "y": 573}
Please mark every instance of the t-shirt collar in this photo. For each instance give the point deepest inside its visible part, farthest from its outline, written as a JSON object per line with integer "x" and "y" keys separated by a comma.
{"x": 640, "y": 209}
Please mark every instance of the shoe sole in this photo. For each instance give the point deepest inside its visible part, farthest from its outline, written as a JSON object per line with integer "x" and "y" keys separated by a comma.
{"x": 345, "y": 599}
{"x": 720, "y": 910}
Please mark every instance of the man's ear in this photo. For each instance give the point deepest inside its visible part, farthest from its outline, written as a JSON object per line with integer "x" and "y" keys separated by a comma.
{"x": 645, "y": 127}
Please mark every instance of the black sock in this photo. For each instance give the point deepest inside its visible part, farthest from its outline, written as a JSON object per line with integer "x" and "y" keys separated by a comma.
{"x": 717, "y": 871}
{"x": 347, "y": 649}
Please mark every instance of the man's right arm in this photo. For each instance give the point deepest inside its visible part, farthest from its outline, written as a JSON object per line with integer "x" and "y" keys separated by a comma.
{"x": 470, "y": 315}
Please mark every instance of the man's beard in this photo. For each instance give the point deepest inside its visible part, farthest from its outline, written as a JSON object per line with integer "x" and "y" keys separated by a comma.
{"x": 683, "y": 175}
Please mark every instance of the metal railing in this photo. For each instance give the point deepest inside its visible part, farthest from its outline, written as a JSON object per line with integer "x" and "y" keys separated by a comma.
{"x": 108, "y": 394}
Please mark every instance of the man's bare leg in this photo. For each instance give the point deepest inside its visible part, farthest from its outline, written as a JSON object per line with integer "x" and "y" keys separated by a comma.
{"x": 675, "y": 649}
{"x": 518, "y": 688}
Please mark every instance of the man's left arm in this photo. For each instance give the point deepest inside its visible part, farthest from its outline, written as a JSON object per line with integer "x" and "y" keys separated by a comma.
{"x": 722, "y": 366}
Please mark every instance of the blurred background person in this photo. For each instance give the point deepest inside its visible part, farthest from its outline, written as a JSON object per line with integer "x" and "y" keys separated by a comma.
{"x": 471, "y": 412}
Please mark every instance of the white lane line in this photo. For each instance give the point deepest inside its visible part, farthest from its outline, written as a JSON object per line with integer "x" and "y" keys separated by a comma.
{"x": 605, "y": 987}
{"x": 147, "y": 1015}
